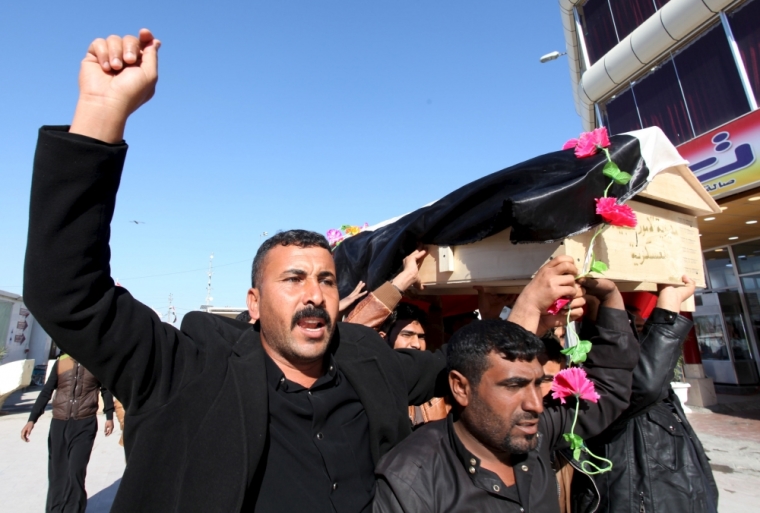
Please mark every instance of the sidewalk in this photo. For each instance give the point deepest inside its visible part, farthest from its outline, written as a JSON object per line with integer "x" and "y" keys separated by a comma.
{"x": 730, "y": 434}
{"x": 23, "y": 466}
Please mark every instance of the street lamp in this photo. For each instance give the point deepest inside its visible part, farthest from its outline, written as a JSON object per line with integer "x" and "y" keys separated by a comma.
{"x": 551, "y": 56}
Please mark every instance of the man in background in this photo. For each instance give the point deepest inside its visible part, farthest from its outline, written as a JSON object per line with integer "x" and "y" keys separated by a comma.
{"x": 72, "y": 431}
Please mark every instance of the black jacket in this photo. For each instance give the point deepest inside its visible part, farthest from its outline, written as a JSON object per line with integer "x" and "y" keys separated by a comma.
{"x": 196, "y": 397}
{"x": 659, "y": 465}
{"x": 427, "y": 473}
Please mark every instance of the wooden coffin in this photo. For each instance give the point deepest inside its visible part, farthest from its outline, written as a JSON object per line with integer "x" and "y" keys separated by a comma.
{"x": 663, "y": 247}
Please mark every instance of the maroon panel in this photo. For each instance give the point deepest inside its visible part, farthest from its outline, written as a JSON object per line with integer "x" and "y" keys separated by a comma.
{"x": 661, "y": 104}
{"x": 745, "y": 25}
{"x": 710, "y": 81}
{"x": 599, "y": 31}
{"x": 629, "y": 14}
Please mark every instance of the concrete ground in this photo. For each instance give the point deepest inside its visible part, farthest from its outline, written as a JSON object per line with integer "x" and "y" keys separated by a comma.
{"x": 730, "y": 433}
{"x": 23, "y": 466}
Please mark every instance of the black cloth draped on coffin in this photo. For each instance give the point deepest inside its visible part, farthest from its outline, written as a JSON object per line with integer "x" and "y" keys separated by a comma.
{"x": 543, "y": 199}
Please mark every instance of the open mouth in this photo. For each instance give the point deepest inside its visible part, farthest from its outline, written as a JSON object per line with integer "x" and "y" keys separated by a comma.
{"x": 312, "y": 322}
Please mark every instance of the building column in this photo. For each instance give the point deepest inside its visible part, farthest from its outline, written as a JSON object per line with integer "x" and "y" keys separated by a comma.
{"x": 702, "y": 391}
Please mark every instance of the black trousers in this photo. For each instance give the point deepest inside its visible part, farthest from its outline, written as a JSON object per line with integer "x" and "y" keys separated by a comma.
{"x": 69, "y": 447}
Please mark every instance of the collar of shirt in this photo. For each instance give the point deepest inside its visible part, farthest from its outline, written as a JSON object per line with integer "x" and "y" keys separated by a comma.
{"x": 484, "y": 478}
{"x": 278, "y": 381}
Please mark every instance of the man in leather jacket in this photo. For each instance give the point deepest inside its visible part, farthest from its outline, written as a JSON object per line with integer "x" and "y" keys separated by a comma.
{"x": 493, "y": 452}
{"x": 659, "y": 465}
{"x": 72, "y": 431}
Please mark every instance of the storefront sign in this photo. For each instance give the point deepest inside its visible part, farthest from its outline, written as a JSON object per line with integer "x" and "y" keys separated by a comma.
{"x": 726, "y": 159}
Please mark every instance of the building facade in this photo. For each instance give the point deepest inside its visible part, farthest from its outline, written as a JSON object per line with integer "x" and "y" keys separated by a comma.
{"x": 691, "y": 67}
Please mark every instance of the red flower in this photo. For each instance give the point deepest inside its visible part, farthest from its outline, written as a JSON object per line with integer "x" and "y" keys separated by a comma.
{"x": 614, "y": 214}
{"x": 573, "y": 382}
{"x": 589, "y": 142}
{"x": 557, "y": 306}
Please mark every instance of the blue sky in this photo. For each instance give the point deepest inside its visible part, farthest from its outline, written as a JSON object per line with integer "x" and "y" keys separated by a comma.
{"x": 282, "y": 114}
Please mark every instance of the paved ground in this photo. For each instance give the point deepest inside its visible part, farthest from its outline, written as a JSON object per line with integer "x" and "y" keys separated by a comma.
{"x": 23, "y": 466}
{"x": 730, "y": 434}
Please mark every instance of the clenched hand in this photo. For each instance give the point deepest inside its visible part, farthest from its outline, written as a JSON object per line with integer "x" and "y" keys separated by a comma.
{"x": 117, "y": 76}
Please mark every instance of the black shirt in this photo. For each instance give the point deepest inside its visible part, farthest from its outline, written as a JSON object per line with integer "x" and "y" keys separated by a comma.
{"x": 318, "y": 457}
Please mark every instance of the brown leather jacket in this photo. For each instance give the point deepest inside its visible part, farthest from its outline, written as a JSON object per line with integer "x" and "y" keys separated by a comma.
{"x": 77, "y": 394}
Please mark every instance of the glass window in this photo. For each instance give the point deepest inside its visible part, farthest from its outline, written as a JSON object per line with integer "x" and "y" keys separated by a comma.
{"x": 629, "y": 14}
{"x": 710, "y": 81}
{"x": 746, "y": 29}
{"x": 661, "y": 104}
{"x": 599, "y": 30}
{"x": 719, "y": 269}
{"x": 710, "y": 337}
{"x": 736, "y": 335}
{"x": 622, "y": 115}
{"x": 747, "y": 256}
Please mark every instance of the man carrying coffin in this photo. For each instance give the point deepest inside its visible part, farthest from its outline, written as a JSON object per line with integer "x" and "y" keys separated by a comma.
{"x": 291, "y": 414}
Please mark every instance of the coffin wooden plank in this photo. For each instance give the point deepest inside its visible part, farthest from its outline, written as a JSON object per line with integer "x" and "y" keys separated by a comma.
{"x": 662, "y": 248}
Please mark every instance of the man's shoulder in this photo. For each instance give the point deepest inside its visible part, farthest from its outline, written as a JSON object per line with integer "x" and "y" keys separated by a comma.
{"x": 204, "y": 327}
{"x": 421, "y": 449}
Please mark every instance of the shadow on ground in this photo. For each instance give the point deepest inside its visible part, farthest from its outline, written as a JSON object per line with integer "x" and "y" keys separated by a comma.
{"x": 101, "y": 501}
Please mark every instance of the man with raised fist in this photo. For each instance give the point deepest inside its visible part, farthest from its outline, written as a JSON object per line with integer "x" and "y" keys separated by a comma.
{"x": 290, "y": 414}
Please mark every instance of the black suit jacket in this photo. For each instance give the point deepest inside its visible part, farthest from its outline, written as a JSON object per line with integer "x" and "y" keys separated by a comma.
{"x": 196, "y": 397}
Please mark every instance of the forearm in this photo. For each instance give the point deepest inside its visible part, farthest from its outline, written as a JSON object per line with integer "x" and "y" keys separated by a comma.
{"x": 107, "y": 403}
{"x": 67, "y": 282}
{"x": 45, "y": 394}
{"x": 661, "y": 340}
{"x": 610, "y": 366}
{"x": 373, "y": 310}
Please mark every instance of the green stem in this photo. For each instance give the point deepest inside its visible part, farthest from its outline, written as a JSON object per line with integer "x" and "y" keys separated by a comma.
{"x": 608, "y": 188}
{"x": 587, "y": 260}
{"x": 575, "y": 419}
{"x": 595, "y": 469}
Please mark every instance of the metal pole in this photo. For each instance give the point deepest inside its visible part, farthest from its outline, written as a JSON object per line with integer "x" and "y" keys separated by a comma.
{"x": 739, "y": 62}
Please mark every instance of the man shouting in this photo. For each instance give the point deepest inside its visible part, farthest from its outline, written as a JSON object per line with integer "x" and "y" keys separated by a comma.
{"x": 291, "y": 414}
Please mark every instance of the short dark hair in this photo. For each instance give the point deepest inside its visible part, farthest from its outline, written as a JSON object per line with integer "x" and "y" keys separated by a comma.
{"x": 553, "y": 348}
{"x": 298, "y": 238}
{"x": 403, "y": 312}
{"x": 468, "y": 349}
{"x": 243, "y": 316}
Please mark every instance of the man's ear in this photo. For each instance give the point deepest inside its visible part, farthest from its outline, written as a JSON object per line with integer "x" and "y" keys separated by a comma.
{"x": 253, "y": 301}
{"x": 383, "y": 334}
{"x": 460, "y": 388}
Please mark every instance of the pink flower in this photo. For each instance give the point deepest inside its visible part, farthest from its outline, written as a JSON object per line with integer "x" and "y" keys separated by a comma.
{"x": 589, "y": 142}
{"x": 572, "y": 143}
{"x": 573, "y": 382}
{"x": 557, "y": 306}
{"x": 334, "y": 236}
{"x": 614, "y": 214}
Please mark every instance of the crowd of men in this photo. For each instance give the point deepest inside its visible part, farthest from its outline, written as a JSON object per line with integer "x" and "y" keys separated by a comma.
{"x": 294, "y": 410}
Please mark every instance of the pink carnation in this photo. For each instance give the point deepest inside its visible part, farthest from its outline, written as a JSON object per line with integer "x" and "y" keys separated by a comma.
{"x": 614, "y": 214}
{"x": 589, "y": 142}
{"x": 334, "y": 236}
{"x": 573, "y": 382}
{"x": 557, "y": 306}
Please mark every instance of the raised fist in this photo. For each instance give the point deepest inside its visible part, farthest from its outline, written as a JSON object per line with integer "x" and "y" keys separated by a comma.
{"x": 117, "y": 76}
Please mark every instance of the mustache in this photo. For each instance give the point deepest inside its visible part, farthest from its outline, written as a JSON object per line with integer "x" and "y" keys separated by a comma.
{"x": 312, "y": 312}
{"x": 525, "y": 416}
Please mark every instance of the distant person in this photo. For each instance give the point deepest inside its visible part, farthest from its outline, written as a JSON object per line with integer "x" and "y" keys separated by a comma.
{"x": 72, "y": 431}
